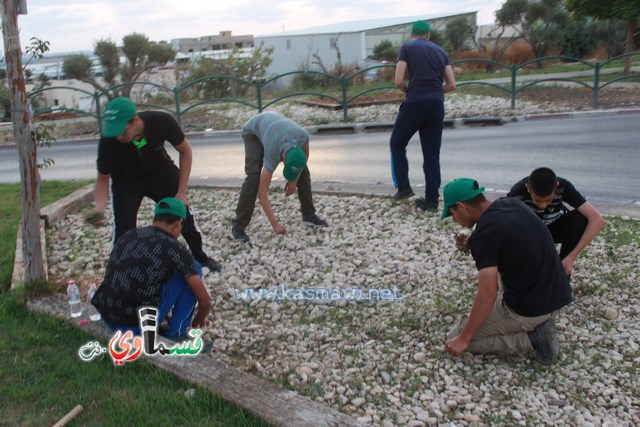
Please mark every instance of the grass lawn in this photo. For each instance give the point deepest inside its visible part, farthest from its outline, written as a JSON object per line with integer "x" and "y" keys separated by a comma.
{"x": 10, "y": 217}
{"x": 42, "y": 378}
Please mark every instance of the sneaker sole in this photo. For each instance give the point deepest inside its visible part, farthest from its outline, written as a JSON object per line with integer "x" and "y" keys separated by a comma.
{"x": 235, "y": 239}
{"x": 549, "y": 328}
{"x": 311, "y": 224}
{"x": 399, "y": 199}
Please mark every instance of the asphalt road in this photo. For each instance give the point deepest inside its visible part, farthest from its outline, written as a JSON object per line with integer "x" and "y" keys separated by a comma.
{"x": 600, "y": 154}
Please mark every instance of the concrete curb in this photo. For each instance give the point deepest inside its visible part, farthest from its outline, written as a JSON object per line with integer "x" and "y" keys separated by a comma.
{"x": 49, "y": 215}
{"x": 577, "y": 114}
{"x": 268, "y": 401}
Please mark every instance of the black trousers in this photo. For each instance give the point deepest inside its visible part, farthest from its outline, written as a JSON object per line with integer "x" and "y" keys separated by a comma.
{"x": 254, "y": 155}
{"x": 567, "y": 230}
{"x": 127, "y": 195}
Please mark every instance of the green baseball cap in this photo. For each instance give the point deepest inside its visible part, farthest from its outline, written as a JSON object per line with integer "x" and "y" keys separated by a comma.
{"x": 420, "y": 27}
{"x": 171, "y": 206}
{"x": 294, "y": 162}
{"x": 459, "y": 190}
{"x": 117, "y": 114}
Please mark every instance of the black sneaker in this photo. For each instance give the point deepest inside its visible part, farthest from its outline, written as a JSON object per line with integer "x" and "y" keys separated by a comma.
{"x": 545, "y": 341}
{"x": 403, "y": 193}
{"x": 314, "y": 221}
{"x": 422, "y": 203}
{"x": 212, "y": 265}
{"x": 239, "y": 235}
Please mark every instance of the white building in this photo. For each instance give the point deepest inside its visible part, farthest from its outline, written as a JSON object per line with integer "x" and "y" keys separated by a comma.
{"x": 355, "y": 40}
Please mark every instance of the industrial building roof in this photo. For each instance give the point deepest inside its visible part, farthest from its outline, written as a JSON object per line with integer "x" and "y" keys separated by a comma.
{"x": 359, "y": 26}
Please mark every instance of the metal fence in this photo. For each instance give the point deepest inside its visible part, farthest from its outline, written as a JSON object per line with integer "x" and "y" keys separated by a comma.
{"x": 262, "y": 94}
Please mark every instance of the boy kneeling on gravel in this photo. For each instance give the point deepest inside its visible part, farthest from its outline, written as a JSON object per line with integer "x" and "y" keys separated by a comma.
{"x": 521, "y": 281}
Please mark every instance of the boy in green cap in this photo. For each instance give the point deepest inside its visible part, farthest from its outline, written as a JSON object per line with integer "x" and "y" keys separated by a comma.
{"x": 521, "y": 281}
{"x": 430, "y": 77}
{"x": 269, "y": 139}
{"x": 132, "y": 156}
{"x": 149, "y": 267}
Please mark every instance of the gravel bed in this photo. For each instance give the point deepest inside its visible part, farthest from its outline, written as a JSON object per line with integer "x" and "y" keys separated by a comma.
{"x": 384, "y": 361}
{"x": 456, "y": 106}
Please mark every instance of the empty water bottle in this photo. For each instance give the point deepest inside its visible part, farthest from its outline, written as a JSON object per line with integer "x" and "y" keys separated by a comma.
{"x": 73, "y": 296}
{"x": 94, "y": 314}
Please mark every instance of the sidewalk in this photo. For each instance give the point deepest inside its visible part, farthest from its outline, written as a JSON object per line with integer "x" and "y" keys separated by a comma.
{"x": 566, "y": 75}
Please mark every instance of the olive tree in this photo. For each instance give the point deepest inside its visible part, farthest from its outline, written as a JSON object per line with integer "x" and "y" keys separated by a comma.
{"x": 139, "y": 55}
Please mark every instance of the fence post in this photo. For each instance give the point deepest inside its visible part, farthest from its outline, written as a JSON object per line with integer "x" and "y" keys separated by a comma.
{"x": 259, "y": 95}
{"x": 176, "y": 99}
{"x": 96, "y": 97}
{"x": 513, "y": 87}
{"x": 596, "y": 86}
{"x": 343, "y": 82}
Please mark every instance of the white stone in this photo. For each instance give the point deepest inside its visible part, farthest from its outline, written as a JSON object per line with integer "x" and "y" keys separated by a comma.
{"x": 611, "y": 313}
{"x": 358, "y": 402}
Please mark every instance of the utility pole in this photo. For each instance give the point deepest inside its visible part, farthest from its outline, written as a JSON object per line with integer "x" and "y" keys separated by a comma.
{"x": 25, "y": 142}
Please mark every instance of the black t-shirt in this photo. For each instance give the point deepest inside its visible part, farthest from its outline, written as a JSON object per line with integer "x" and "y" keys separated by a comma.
{"x": 141, "y": 261}
{"x": 125, "y": 160}
{"x": 510, "y": 236}
{"x": 565, "y": 193}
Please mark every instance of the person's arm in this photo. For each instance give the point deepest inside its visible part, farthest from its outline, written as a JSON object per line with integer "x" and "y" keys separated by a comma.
{"x": 186, "y": 159}
{"x": 480, "y": 311}
{"x": 401, "y": 70}
{"x": 101, "y": 192}
{"x": 595, "y": 222}
{"x": 263, "y": 197}
{"x": 449, "y": 79}
{"x": 204, "y": 301}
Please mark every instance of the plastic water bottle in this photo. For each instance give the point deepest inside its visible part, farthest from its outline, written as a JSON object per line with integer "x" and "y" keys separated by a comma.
{"x": 94, "y": 314}
{"x": 73, "y": 296}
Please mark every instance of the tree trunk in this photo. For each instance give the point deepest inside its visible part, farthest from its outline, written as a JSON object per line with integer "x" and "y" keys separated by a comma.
{"x": 629, "y": 45}
{"x": 26, "y": 144}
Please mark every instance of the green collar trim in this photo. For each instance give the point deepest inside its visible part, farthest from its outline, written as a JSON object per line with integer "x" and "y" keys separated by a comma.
{"x": 140, "y": 144}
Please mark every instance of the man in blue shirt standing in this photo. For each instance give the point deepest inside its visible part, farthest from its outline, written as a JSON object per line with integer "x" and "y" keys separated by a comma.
{"x": 422, "y": 111}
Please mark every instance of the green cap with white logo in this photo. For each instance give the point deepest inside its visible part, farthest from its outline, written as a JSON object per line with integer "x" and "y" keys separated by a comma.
{"x": 116, "y": 116}
{"x": 459, "y": 190}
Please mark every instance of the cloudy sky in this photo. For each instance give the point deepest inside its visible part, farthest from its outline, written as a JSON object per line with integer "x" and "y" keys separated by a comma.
{"x": 73, "y": 25}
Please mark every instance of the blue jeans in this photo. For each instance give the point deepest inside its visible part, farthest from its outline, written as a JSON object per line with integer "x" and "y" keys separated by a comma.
{"x": 425, "y": 117}
{"x": 176, "y": 296}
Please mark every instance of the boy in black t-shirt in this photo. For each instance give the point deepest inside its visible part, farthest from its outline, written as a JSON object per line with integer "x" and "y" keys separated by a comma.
{"x": 131, "y": 154}
{"x": 546, "y": 195}
{"x": 521, "y": 281}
